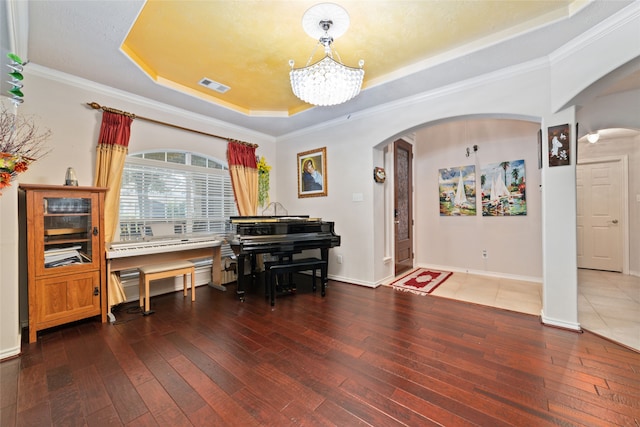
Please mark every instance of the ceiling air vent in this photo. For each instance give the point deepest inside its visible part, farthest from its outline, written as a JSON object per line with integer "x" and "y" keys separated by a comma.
{"x": 218, "y": 87}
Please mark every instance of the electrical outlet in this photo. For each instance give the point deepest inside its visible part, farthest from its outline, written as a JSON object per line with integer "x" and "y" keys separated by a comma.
{"x": 485, "y": 255}
{"x": 339, "y": 259}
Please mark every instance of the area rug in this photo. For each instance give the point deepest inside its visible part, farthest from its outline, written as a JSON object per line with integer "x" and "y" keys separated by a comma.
{"x": 421, "y": 281}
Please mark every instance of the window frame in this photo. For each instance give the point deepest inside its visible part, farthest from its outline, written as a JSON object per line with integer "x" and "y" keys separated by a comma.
{"x": 196, "y": 216}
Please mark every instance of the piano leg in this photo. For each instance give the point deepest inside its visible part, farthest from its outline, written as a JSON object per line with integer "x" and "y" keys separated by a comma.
{"x": 324, "y": 255}
{"x": 240, "y": 280}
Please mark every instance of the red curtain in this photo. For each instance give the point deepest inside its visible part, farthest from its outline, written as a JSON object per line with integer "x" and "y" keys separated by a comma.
{"x": 116, "y": 129}
{"x": 112, "y": 151}
{"x": 244, "y": 176}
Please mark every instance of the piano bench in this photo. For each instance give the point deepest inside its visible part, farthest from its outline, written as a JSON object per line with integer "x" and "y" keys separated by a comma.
{"x": 273, "y": 269}
{"x": 162, "y": 271}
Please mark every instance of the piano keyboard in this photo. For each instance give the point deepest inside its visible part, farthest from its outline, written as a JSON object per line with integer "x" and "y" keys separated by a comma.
{"x": 127, "y": 249}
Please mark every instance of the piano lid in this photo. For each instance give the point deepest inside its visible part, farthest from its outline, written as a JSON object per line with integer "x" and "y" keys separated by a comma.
{"x": 268, "y": 219}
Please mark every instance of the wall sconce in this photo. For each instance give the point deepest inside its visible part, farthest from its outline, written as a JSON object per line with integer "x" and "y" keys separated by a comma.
{"x": 475, "y": 148}
{"x": 593, "y": 137}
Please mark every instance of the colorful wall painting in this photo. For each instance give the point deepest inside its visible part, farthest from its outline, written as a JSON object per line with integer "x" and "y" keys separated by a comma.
{"x": 457, "y": 189}
{"x": 503, "y": 189}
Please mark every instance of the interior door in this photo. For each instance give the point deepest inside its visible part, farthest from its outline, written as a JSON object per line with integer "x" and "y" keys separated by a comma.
{"x": 599, "y": 201}
{"x": 403, "y": 206}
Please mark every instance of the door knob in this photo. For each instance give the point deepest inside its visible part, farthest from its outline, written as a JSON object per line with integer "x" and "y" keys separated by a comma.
{"x": 615, "y": 221}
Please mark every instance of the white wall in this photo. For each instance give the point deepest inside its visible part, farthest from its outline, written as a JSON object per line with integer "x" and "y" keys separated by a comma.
{"x": 559, "y": 237}
{"x": 623, "y": 146}
{"x": 9, "y": 313}
{"x": 513, "y": 244}
{"x": 351, "y": 144}
{"x": 617, "y": 110}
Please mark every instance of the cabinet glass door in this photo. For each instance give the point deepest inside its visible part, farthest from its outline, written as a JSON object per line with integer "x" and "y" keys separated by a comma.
{"x": 68, "y": 231}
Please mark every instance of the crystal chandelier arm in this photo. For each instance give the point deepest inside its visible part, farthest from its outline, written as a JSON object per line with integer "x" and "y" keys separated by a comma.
{"x": 292, "y": 62}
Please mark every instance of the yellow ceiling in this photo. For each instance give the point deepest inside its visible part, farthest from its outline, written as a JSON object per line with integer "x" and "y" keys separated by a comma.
{"x": 247, "y": 44}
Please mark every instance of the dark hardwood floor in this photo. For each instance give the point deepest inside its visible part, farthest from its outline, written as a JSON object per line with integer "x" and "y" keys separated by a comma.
{"x": 359, "y": 356}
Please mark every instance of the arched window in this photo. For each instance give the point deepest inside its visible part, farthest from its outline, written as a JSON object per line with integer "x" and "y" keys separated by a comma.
{"x": 188, "y": 191}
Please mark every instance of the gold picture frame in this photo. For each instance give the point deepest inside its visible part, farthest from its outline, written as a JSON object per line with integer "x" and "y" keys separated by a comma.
{"x": 312, "y": 173}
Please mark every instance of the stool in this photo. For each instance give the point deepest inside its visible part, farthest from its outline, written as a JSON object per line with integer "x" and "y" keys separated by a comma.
{"x": 272, "y": 269}
{"x": 162, "y": 271}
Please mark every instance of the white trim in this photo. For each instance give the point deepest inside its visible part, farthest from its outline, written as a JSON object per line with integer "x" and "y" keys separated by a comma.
{"x": 7, "y": 353}
{"x": 484, "y": 273}
{"x": 531, "y": 279}
{"x": 547, "y": 321}
{"x": 99, "y": 89}
{"x": 18, "y": 23}
{"x": 477, "y": 45}
{"x": 430, "y": 95}
{"x": 351, "y": 281}
{"x": 624, "y": 208}
{"x": 601, "y": 29}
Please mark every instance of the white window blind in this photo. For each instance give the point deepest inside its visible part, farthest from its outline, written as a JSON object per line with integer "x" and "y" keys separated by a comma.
{"x": 167, "y": 188}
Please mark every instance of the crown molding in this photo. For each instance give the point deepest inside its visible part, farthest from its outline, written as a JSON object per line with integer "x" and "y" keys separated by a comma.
{"x": 238, "y": 132}
{"x": 597, "y": 32}
{"x": 431, "y": 95}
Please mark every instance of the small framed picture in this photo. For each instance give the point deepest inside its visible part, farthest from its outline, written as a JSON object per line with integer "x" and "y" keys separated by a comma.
{"x": 312, "y": 173}
{"x": 559, "y": 145}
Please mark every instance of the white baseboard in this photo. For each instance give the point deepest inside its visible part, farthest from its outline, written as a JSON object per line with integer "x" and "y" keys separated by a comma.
{"x": 549, "y": 321}
{"x": 7, "y": 353}
{"x": 352, "y": 281}
{"x": 500, "y": 275}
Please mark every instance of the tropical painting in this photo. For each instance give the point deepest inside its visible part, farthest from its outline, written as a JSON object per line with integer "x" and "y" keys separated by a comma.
{"x": 457, "y": 191}
{"x": 503, "y": 189}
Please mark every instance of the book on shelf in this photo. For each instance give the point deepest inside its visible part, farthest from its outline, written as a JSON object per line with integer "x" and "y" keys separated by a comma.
{"x": 58, "y": 257}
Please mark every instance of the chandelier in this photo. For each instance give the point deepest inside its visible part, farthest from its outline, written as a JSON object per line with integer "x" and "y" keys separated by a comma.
{"x": 328, "y": 81}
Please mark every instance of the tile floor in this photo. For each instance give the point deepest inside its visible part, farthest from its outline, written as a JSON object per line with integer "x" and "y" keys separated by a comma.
{"x": 515, "y": 295}
{"x": 608, "y": 303}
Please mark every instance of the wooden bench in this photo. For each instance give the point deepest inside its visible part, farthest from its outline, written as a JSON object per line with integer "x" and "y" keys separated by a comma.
{"x": 162, "y": 271}
{"x": 275, "y": 268}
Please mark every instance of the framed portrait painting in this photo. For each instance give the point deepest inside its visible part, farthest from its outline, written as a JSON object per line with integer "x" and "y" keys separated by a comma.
{"x": 312, "y": 173}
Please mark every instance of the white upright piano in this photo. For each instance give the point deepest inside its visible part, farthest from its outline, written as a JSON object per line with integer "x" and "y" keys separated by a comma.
{"x": 133, "y": 254}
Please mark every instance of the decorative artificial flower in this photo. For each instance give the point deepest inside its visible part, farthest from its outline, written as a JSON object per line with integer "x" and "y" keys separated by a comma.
{"x": 21, "y": 143}
{"x": 5, "y": 180}
{"x": 10, "y": 166}
{"x": 263, "y": 181}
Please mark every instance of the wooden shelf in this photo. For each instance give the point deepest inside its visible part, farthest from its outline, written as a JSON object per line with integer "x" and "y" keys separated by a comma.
{"x": 62, "y": 231}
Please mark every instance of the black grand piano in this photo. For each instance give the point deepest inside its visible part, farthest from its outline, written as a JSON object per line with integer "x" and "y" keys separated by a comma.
{"x": 280, "y": 236}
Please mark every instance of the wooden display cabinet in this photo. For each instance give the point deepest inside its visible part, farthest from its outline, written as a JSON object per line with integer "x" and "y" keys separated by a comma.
{"x": 64, "y": 253}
